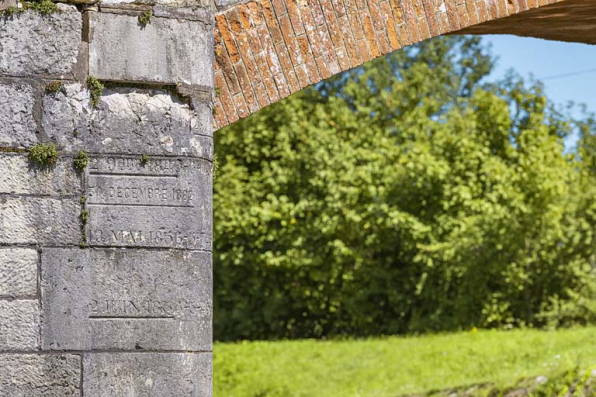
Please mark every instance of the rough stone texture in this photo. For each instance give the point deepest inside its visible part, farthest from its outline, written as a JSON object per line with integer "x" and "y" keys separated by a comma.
{"x": 17, "y": 103}
{"x": 147, "y": 374}
{"x": 196, "y": 5}
{"x": 126, "y": 300}
{"x": 33, "y": 220}
{"x": 19, "y": 328}
{"x": 48, "y": 375}
{"x": 127, "y": 121}
{"x": 571, "y": 20}
{"x": 18, "y": 272}
{"x": 31, "y": 43}
{"x": 4, "y": 4}
{"x": 167, "y": 51}
{"x": 163, "y": 203}
{"x": 21, "y": 177}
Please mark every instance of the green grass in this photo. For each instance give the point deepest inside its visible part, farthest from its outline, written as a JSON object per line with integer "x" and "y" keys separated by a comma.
{"x": 395, "y": 366}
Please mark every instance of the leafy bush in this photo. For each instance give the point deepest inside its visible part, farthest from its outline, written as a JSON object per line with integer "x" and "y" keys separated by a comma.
{"x": 404, "y": 196}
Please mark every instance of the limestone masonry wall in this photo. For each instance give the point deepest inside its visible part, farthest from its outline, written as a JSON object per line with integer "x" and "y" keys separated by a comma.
{"x": 105, "y": 251}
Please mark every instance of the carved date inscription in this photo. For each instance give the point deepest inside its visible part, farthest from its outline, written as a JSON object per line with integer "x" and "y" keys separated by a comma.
{"x": 123, "y": 299}
{"x": 164, "y": 202}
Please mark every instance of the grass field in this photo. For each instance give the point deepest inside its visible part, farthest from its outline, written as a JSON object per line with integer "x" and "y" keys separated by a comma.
{"x": 396, "y": 366}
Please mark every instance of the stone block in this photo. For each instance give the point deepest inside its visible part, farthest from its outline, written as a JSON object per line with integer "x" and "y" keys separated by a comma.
{"x": 147, "y": 374}
{"x": 18, "y": 272}
{"x": 4, "y": 4}
{"x": 19, "y": 328}
{"x": 17, "y": 103}
{"x": 33, "y": 44}
{"x": 34, "y": 220}
{"x": 48, "y": 375}
{"x": 21, "y": 177}
{"x": 97, "y": 299}
{"x": 166, "y": 51}
{"x": 127, "y": 121}
{"x": 163, "y": 203}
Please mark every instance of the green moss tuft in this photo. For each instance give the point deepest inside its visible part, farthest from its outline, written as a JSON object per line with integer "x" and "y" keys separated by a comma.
{"x": 45, "y": 7}
{"x": 95, "y": 87}
{"x": 54, "y": 87}
{"x": 80, "y": 162}
{"x": 144, "y": 159}
{"x": 11, "y": 12}
{"x": 145, "y": 18}
{"x": 43, "y": 154}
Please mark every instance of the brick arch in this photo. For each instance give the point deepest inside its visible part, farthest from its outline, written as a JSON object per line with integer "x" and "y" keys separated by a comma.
{"x": 267, "y": 49}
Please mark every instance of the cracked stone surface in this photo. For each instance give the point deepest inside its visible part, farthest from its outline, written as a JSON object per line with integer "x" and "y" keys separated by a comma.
{"x": 32, "y": 44}
{"x": 17, "y": 103}
{"x": 126, "y": 121}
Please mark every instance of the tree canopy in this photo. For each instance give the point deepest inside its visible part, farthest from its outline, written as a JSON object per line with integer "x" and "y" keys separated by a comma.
{"x": 406, "y": 195}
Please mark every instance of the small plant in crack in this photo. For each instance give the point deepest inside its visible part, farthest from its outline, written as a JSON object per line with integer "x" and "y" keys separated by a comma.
{"x": 81, "y": 160}
{"x": 45, "y": 7}
{"x": 44, "y": 154}
{"x": 144, "y": 159}
{"x": 54, "y": 87}
{"x": 145, "y": 18}
{"x": 95, "y": 88}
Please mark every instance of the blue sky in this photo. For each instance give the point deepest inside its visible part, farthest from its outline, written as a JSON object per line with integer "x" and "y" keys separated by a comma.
{"x": 549, "y": 61}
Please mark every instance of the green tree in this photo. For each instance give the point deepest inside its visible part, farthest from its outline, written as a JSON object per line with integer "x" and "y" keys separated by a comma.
{"x": 402, "y": 196}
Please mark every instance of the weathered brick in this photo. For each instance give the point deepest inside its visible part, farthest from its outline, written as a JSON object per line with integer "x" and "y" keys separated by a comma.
{"x": 429, "y": 11}
{"x": 391, "y": 31}
{"x": 262, "y": 96}
{"x": 364, "y": 51}
{"x": 295, "y": 17}
{"x": 240, "y": 105}
{"x": 309, "y": 59}
{"x": 411, "y": 20}
{"x": 279, "y": 7}
{"x": 228, "y": 39}
{"x": 271, "y": 20}
{"x": 219, "y": 115}
{"x": 336, "y": 35}
{"x": 346, "y": 31}
{"x": 370, "y": 34}
{"x": 267, "y": 76}
{"x": 225, "y": 98}
{"x": 248, "y": 22}
{"x": 246, "y": 84}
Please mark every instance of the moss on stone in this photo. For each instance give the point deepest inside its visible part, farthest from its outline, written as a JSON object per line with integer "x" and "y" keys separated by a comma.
{"x": 144, "y": 159}
{"x": 54, "y": 87}
{"x": 145, "y": 18}
{"x": 44, "y": 154}
{"x": 95, "y": 87}
{"x": 81, "y": 160}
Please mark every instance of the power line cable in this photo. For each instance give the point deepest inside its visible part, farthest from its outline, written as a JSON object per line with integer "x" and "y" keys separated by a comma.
{"x": 571, "y": 74}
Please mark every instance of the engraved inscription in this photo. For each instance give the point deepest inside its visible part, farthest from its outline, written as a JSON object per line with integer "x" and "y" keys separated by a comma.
{"x": 145, "y": 308}
{"x": 120, "y": 299}
{"x": 164, "y": 202}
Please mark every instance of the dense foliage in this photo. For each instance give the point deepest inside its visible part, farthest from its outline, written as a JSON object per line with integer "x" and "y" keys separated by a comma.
{"x": 407, "y": 195}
